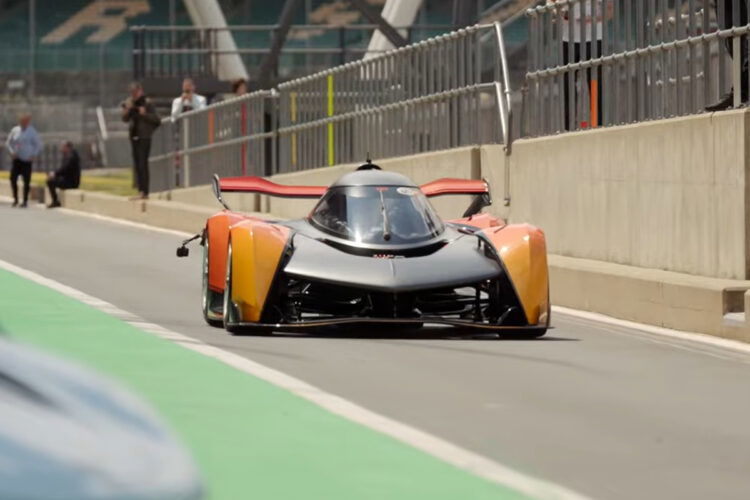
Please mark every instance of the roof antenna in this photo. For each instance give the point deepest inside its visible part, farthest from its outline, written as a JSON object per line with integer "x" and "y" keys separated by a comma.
{"x": 368, "y": 165}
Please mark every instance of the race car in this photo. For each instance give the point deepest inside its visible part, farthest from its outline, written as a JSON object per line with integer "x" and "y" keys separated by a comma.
{"x": 373, "y": 251}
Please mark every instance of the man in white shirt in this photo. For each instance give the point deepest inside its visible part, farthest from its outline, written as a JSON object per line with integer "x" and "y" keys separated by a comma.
{"x": 188, "y": 101}
{"x": 24, "y": 146}
{"x": 577, "y": 47}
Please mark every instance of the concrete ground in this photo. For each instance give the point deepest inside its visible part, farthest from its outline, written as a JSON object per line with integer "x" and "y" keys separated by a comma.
{"x": 609, "y": 412}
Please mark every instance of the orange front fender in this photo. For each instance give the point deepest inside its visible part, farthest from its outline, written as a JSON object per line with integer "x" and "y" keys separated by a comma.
{"x": 257, "y": 250}
{"x": 523, "y": 251}
{"x": 217, "y": 231}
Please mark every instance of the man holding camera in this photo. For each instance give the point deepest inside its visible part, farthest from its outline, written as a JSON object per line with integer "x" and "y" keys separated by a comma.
{"x": 138, "y": 111}
{"x": 188, "y": 101}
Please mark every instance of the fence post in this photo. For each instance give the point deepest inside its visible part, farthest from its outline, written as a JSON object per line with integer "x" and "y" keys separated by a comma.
{"x": 185, "y": 132}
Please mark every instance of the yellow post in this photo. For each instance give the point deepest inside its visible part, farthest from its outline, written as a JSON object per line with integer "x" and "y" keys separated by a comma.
{"x": 293, "y": 113}
{"x": 331, "y": 156}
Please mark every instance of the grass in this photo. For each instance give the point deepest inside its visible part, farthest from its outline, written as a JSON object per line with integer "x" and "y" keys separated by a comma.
{"x": 113, "y": 181}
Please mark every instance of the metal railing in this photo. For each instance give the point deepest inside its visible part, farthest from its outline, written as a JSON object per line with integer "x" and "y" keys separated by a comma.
{"x": 175, "y": 51}
{"x": 646, "y": 59}
{"x": 230, "y": 138}
{"x": 441, "y": 93}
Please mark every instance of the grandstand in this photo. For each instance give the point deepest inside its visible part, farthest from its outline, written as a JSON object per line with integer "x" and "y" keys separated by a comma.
{"x": 84, "y": 48}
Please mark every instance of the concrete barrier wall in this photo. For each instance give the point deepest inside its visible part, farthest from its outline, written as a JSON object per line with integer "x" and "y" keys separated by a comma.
{"x": 204, "y": 196}
{"x": 669, "y": 194}
{"x": 661, "y": 298}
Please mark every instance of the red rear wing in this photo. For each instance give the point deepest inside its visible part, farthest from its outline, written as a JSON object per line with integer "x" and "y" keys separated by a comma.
{"x": 455, "y": 186}
{"x": 263, "y": 186}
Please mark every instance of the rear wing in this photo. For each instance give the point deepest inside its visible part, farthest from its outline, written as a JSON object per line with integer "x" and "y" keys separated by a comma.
{"x": 445, "y": 186}
{"x": 264, "y": 186}
{"x": 438, "y": 187}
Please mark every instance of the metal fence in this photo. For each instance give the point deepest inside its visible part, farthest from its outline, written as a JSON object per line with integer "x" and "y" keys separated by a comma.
{"x": 603, "y": 62}
{"x": 441, "y": 93}
{"x": 162, "y": 51}
{"x": 231, "y": 138}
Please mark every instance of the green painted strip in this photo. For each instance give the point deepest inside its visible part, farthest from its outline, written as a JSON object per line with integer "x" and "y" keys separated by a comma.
{"x": 250, "y": 438}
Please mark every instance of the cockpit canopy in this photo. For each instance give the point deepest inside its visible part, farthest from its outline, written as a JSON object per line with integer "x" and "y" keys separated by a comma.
{"x": 377, "y": 215}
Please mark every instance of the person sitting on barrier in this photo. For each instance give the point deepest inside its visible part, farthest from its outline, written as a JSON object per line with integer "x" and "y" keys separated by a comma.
{"x": 24, "y": 146}
{"x": 68, "y": 176}
{"x": 188, "y": 101}
{"x": 726, "y": 22}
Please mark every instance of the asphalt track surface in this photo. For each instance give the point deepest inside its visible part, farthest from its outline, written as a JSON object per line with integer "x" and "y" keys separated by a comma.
{"x": 609, "y": 412}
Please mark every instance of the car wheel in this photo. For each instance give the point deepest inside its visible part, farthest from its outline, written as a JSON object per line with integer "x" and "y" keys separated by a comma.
{"x": 211, "y": 301}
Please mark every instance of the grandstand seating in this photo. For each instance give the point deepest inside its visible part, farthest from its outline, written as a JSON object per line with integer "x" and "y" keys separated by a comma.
{"x": 72, "y": 49}
{"x": 66, "y": 42}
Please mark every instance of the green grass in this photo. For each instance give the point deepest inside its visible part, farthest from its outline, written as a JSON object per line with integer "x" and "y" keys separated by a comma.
{"x": 114, "y": 181}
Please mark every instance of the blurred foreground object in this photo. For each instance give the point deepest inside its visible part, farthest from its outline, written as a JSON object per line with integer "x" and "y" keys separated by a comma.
{"x": 67, "y": 433}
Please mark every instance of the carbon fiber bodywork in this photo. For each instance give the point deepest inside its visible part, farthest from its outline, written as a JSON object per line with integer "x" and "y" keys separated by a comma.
{"x": 457, "y": 280}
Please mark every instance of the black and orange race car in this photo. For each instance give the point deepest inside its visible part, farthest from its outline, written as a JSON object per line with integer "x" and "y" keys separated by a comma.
{"x": 373, "y": 251}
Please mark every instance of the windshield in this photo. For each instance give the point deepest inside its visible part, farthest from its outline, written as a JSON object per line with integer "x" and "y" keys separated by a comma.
{"x": 377, "y": 215}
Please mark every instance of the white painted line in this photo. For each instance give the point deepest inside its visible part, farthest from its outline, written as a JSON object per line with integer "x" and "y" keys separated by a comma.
{"x": 710, "y": 340}
{"x": 437, "y": 447}
{"x": 123, "y": 222}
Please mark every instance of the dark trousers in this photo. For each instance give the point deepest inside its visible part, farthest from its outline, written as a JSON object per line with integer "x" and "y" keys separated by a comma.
{"x": 56, "y": 183}
{"x": 727, "y": 21}
{"x": 591, "y": 73}
{"x": 141, "y": 149}
{"x": 23, "y": 169}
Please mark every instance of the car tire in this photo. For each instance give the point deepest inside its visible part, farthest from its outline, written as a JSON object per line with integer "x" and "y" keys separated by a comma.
{"x": 211, "y": 301}
{"x": 533, "y": 334}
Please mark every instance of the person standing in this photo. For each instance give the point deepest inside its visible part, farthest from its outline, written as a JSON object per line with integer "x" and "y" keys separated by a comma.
{"x": 188, "y": 101}
{"x": 139, "y": 112}
{"x": 24, "y": 146}
{"x": 725, "y": 22}
{"x": 578, "y": 46}
{"x": 68, "y": 176}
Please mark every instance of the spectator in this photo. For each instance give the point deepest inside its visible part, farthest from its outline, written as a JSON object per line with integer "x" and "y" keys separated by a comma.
{"x": 726, "y": 22}
{"x": 188, "y": 101}
{"x": 239, "y": 87}
{"x": 578, "y": 48}
{"x": 68, "y": 176}
{"x": 24, "y": 147}
{"x": 138, "y": 111}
